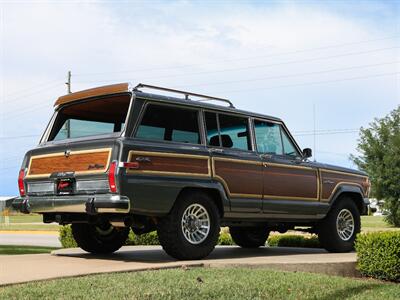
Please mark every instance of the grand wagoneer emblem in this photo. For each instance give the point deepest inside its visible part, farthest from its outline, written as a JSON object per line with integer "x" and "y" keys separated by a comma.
{"x": 67, "y": 153}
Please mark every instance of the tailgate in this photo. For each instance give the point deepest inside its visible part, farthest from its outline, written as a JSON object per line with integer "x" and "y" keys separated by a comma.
{"x": 80, "y": 162}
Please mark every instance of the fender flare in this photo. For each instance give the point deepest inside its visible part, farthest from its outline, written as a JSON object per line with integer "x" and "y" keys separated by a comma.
{"x": 358, "y": 196}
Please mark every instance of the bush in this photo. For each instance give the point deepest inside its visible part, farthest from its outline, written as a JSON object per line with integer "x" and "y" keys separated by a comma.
{"x": 66, "y": 238}
{"x": 294, "y": 241}
{"x": 145, "y": 239}
{"x": 225, "y": 239}
{"x": 378, "y": 255}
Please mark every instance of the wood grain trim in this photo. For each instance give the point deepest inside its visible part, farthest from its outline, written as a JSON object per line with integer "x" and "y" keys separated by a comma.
{"x": 99, "y": 91}
{"x": 225, "y": 184}
{"x": 338, "y": 185}
{"x": 169, "y": 155}
{"x": 316, "y": 170}
{"x": 343, "y": 173}
{"x": 61, "y": 154}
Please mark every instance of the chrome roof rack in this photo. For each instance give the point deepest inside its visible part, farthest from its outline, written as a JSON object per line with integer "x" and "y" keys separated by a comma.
{"x": 187, "y": 94}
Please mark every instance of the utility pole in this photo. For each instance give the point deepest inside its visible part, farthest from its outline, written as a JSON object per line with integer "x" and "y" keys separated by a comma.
{"x": 68, "y": 83}
{"x": 315, "y": 134}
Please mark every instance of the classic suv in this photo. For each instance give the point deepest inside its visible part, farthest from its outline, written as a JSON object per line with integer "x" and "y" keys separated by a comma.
{"x": 114, "y": 158}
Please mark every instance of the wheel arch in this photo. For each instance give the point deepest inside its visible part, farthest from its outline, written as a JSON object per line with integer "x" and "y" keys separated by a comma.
{"x": 353, "y": 192}
{"x": 215, "y": 192}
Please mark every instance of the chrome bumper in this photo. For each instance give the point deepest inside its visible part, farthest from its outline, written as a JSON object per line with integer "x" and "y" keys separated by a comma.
{"x": 90, "y": 204}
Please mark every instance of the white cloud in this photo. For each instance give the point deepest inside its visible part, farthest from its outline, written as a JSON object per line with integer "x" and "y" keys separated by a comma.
{"x": 42, "y": 41}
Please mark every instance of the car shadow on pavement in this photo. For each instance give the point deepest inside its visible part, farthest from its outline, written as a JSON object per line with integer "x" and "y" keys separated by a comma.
{"x": 155, "y": 254}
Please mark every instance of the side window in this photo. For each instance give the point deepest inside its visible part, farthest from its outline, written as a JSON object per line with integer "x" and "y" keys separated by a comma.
{"x": 212, "y": 129}
{"x": 268, "y": 137}
{"x": 234, "y": 132}
{"x": 288, "y": 147}
{"x": 167, "y": 123}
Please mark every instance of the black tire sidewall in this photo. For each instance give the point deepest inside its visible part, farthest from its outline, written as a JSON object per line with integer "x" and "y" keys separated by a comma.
{"x": 212, "y": 237}
{"x": 329, "y": 236}
{"x": 183, "y": 249}
{"x": 88, "y": 239}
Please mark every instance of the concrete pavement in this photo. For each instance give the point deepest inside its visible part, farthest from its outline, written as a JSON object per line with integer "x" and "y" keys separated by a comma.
{"x": 30, "y": 238}
{"x": 75, "y": 262}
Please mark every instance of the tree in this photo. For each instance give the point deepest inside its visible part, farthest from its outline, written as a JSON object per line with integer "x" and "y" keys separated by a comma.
{"x": 379, "y": 146}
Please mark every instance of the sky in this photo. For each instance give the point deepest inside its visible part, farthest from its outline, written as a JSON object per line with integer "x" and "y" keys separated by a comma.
{"x": 328, "y": 65}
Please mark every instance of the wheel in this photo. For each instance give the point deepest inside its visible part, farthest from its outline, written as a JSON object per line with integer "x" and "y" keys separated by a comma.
{"x": 249, "y": 237}
{"x": 99, "y": 238}
{"x": 191, "y": 230}
{"x": 337, "y": 232}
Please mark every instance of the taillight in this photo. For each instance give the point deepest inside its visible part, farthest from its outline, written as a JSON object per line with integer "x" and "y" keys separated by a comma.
{"x": 21, "y": 185}
{"x": 111, "y": 177}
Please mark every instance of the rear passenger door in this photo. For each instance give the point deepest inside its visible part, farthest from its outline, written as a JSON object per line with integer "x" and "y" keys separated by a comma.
{"x": 291, "y": 186}
{"x": 171, "y": 154}
{"x": 234, "y": 163}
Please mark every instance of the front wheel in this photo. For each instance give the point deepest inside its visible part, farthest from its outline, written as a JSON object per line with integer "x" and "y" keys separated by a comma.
{"x": 191, "y": 229}
{"x": 99, "y": 239}
{"x": 337, "y": 232}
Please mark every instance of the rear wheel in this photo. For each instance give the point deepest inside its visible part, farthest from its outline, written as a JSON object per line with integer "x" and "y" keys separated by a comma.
{"x": 191, "y": 229}
{"x": 337, "y": 232}
{"x": 249, "y": 237}
{"x": 97, "y": 239}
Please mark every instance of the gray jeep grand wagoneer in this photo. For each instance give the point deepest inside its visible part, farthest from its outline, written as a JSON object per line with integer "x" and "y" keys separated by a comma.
{"x": 115, "y": 157}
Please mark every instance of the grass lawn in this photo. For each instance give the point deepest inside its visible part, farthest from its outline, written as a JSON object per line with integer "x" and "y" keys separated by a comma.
{"x": 27, "y": 222}
{"x": 204, "y": 283}
{"x": 375, "y": 223}
{"x": 10, "y": 249}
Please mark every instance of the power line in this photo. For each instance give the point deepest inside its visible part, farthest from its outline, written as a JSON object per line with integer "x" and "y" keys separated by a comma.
{"x": 257, "y": 66}
{"x": 311, "y": 83}
{"x": 238, "y": 59}
{"x": 289, "y": 75}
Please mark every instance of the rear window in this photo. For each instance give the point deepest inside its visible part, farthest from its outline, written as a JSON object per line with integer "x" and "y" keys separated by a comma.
{"x": 168, "y": 123}
{"x": 94, "y": 117}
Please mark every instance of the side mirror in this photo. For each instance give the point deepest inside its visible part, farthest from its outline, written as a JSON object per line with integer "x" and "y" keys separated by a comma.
{"x": 307, "y": 152}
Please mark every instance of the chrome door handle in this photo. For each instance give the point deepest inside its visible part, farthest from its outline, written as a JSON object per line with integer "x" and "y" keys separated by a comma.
{"x": 266, "y": 156}
{"x": 216, "y": 150}
{"x": 143, "y": 159}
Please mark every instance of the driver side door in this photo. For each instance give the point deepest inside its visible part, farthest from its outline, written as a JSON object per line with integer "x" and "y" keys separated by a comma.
{"x": 290, "y": 185}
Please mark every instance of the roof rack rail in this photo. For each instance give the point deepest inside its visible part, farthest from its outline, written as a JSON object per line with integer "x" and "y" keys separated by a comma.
{"x": 187, "y": 94}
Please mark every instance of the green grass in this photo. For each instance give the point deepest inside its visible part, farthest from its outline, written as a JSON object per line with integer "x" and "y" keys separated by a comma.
{"x": 204, "y": 283}
{"x": 10, "y": 250}
{"x": 375, "y": 223}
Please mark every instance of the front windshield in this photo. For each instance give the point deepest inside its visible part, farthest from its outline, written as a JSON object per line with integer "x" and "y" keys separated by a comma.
{"x": 88, "y": 118}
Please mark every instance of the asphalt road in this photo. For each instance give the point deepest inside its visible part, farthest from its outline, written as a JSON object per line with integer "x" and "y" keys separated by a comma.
{"x": 47, "y": 239}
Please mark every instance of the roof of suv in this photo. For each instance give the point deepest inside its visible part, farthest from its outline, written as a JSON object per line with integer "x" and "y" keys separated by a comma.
{"x": 126, "y": 87}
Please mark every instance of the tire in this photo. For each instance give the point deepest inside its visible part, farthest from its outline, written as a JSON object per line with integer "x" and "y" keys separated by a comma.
{"x": 331, "y": 233}
{"x": 179, "y": 232}
{"x": 249, "y": 237}
{"x": 99, "y": 239}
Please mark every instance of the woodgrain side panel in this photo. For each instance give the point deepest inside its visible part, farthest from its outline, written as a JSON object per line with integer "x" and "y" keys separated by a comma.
{"x": 170, "y": 164}
{"x": 331, "y": 180}
{"x": 80, "y": 162}
{"x": 241, "y": 178}
{"x": 282, "y": 182}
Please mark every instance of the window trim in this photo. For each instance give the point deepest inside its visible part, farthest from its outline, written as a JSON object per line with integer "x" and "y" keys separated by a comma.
{"x": 50, "y": 126}
{"x": 217, "y": 113}
{"x": 151, "y": 102}
{"x": 284, "y": 128}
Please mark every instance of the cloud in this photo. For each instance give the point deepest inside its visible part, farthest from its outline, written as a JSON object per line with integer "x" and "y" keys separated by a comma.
{"x": 186, "y": 44}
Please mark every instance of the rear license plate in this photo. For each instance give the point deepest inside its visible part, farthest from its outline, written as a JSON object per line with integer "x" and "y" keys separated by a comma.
{"x": 65, "y": 186}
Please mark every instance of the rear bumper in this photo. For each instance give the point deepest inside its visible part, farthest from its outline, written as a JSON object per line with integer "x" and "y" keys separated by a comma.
{"x": 90, "y": 204}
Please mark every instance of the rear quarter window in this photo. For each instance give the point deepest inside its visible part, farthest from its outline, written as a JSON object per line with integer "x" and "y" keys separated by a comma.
{"x": 169, "y": 123}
